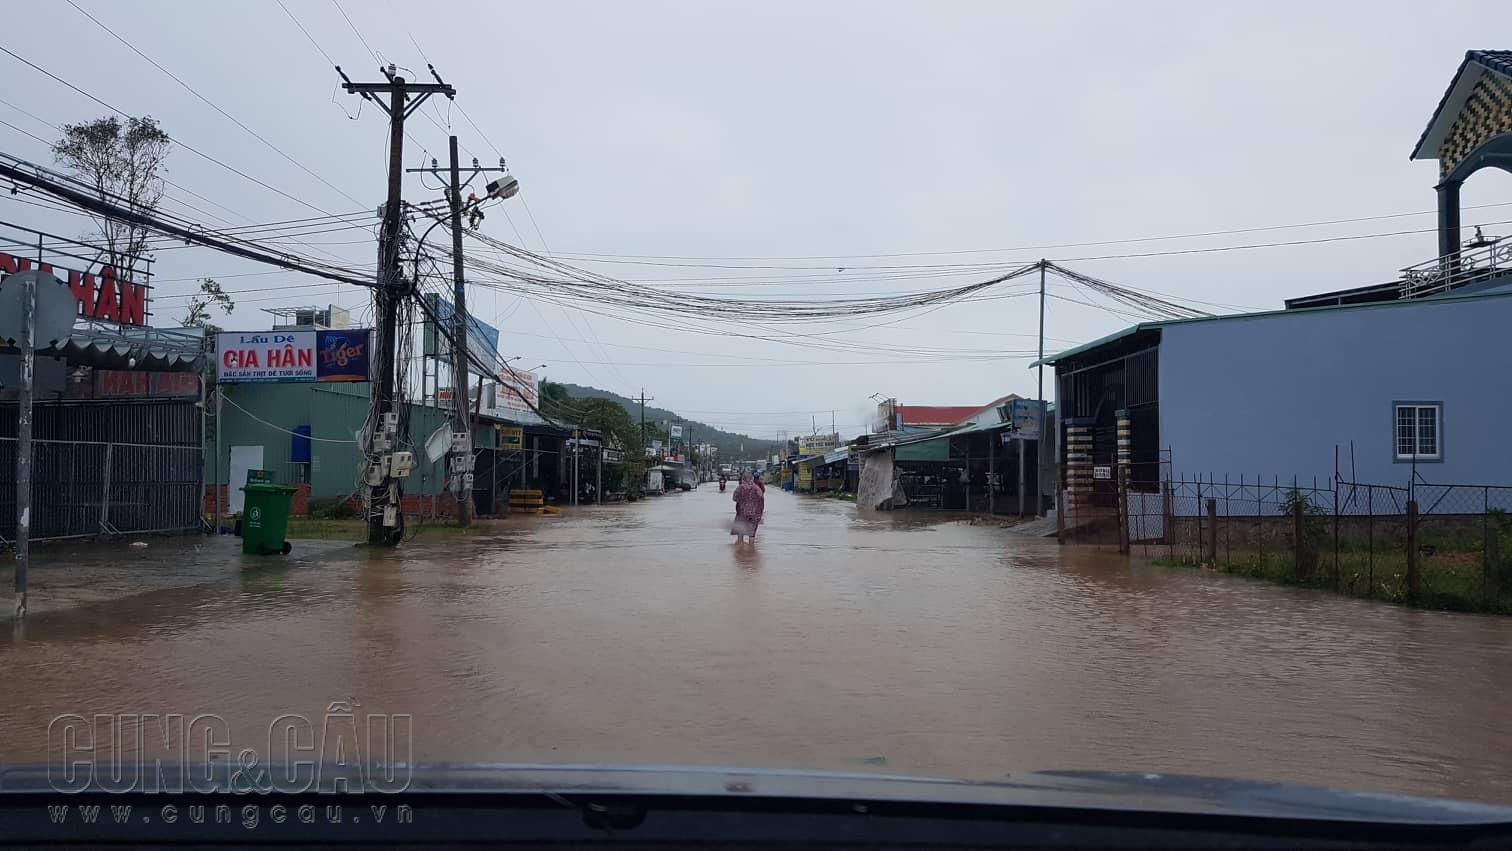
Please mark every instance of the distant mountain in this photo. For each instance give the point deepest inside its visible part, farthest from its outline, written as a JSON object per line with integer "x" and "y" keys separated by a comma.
{"x": 731, "y": 446}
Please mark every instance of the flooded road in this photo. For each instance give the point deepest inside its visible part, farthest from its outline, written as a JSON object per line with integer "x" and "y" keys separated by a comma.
{"x": 641, "y": 633}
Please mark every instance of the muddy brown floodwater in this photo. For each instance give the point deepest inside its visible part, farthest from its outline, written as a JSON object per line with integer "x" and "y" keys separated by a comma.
{"x": 642, "y": 634}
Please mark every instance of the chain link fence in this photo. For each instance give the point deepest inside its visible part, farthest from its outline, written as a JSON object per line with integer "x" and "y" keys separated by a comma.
{"x": 83, "y": 488}
{"x": 1437, "y": 546}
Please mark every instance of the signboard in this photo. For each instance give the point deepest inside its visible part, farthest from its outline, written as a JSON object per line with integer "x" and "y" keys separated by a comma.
{"x": 674, "y": 432}
{"x": 482, "y": 338}
{"x": 266, "y": 356}
{"x": 342, "y": 355}
{"x": 817, "y": 444}
{"x": 517, "y": 391}
{"x": 99, "y": 296}
{"x": 1024, "y": 414}
{"x": 272, "y": 356}
{"x": 510, "y": 437}
{"x": 119, "y": 383}
{"x": 1102, "y": 472}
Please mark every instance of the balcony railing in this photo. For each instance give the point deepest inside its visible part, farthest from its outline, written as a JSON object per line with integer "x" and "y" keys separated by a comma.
{"x": 1479, "y": 260}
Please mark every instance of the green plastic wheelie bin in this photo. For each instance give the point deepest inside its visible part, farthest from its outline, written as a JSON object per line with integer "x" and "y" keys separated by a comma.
{"x": 265, "y": 517}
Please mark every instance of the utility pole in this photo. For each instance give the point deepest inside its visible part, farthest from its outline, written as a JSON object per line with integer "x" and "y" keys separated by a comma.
{"x": 643, "y": 400}
{"x": 642, "y": 459}
{"x": 385, "y": 514}
{"x": 461, "y": 458}
{"x": 1040, "y": 441}
{"x": 1041, "y": 364}
{"x": 460, "y": 342}
{"x": 28, "y": 345}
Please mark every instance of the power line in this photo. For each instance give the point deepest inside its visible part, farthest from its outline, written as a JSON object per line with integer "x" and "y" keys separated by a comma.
{"x": 1047, "y": 247}
{"x": 86, "y": 198}
{"x": 357, "y": 32}
{"x": 306, "y": 32}
{"x": 213, "y": 105}
{"x": 1257, "y": 245}
{"x": 185, "y": 145}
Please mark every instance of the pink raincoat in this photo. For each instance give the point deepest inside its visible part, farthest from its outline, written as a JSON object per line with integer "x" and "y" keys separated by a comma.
{"x": 750, "y": 502}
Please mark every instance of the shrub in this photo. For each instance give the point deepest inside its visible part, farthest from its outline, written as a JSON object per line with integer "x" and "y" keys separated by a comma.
{"x": 332, "y": 508}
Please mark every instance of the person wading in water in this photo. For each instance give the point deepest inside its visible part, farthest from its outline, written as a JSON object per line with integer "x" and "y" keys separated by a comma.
{"x": 750, "y": 502}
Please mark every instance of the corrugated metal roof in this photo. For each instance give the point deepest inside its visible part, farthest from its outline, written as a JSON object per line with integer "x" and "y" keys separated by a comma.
{"x": 116, "y": 347}
{"x": 928, "y": 415}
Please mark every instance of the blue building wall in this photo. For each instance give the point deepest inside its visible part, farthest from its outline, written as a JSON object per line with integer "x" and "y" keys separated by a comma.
{"x": 1272, "y": 394}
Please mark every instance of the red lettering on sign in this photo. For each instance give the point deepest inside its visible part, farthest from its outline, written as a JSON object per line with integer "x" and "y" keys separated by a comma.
{"x": 107, "y": 303}
{"x": 119, "y": 382}
{"x": 83, "y": 286}
{"x": 175, "y": 384}
{"x": 115, "y": 300}
{"x": 306, "y": 357}
{"x": 133, "y": 304}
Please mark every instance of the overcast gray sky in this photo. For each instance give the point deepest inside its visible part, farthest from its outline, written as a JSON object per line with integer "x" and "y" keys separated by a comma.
{"x": 783, "y": 130}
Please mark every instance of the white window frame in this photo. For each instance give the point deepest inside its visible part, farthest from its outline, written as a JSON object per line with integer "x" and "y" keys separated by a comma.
{"x": 1416, "y": 455}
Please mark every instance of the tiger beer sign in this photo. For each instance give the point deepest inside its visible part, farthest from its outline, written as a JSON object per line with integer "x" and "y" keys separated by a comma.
{"x": 99, "y": 296}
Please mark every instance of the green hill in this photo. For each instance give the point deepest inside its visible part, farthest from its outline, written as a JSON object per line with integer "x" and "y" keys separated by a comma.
{"x": 731, "y": 445}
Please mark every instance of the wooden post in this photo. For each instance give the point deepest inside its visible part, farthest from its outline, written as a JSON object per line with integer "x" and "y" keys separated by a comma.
{"x": 1370, "y": 540}
{"x": 105, "y": 495}
{"x": 1412, "y": 551}
{"x": 1493, "y": 588}
{"x": 992, "y": 442}
{"x": 1297, "y": 545}
{"x": 1123, "y": 510}
{"x": 1212, "y": 543}
{"x": 1023, "y": 477}
{"x": 1167, "y": 514}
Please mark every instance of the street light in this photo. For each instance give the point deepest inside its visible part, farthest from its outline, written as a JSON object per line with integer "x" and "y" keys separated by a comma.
{"x": 504, "y": 187}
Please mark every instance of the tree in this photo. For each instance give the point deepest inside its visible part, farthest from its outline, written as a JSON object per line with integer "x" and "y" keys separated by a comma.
{"x": 609, "y": 418}
{"x": 605, "y": 416}
{"x": 124, "y": 164}
{"x": 556, "y": 402}
{"x": 210, "y": 295}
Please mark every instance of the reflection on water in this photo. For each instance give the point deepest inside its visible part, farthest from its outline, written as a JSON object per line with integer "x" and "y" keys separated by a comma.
{"x": 643, "y": 633}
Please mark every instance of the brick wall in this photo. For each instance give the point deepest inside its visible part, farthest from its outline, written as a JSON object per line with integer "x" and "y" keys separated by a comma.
{"x": 444, "y": 505}
{"x": 299, "y": 505}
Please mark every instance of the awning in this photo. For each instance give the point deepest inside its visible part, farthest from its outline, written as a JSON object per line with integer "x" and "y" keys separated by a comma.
{"x": 935, "y": 449}
{"x": 109, "y": 346}
{"x": 837, "y": 455}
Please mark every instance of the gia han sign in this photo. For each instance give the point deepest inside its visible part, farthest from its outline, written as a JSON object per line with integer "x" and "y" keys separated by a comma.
{"x": 271, "y": 356}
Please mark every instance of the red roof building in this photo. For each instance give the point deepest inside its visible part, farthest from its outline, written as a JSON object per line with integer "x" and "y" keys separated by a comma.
{"x": 940, "y": 416}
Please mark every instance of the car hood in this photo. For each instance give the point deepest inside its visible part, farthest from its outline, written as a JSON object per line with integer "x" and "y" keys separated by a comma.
{"x": 1095, "y": 790}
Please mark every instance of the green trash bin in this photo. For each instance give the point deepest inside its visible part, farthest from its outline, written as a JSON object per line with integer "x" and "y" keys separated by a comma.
{"x": 265, "y": 517}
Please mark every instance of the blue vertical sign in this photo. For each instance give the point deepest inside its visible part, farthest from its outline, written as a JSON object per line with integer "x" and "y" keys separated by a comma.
{"x": 342, "y": 355}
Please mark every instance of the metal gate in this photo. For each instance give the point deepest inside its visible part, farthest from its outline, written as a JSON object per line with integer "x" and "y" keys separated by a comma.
{"x": 107, "y": 468}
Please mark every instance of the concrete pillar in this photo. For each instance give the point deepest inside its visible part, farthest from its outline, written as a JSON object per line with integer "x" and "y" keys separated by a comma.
{"x": 1449, "y": 224}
